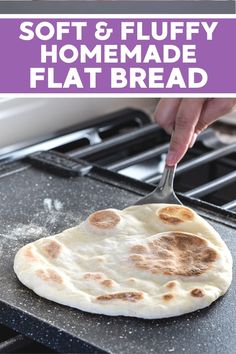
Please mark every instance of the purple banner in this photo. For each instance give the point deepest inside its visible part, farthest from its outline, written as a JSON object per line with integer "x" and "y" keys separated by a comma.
{"x": 138, "y": 56}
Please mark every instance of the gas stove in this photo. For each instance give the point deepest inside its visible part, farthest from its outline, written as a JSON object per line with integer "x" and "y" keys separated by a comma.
{"x": 129, "y": 151}
{"x": 127, "y": 142}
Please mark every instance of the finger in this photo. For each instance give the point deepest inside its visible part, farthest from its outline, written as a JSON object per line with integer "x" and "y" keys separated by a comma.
{"x": 193, "y": 140}
{"x": 213, "y": 110}
{"x": 187, "y": 117}
{"x": 166, "y": 112}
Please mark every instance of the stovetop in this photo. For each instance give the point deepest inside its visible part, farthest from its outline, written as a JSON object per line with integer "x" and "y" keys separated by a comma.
{"x": 31, "y": 190}
{"x": 129, "y": 144}
{"x": 207, "y": 172}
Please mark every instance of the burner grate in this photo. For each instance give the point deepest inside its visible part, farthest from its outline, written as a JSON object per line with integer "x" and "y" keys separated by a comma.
{"x": 207, "y": 172}
{"x": 128, "y": 142}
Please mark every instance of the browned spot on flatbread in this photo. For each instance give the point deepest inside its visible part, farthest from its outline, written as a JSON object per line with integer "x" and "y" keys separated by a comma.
{"x": 136, "y": 257}
{"x": 108, "y": 283}
{"x": 175, "y": 214}
{"x": 176, "y": 253}
{"x": 49, "y": 275}
{"x": 52, "y": 249}
{"x": 93, "y": 276}
{"x": 54, "y": 276}
{"x": 197, "y": 292}
{"x": 129, "y": 296}
{"x": 139, "y": 249}
{"x": 209, "y": 255}
{"x": 28, "y": 252}
{"x": 163, "y": 254}
{"x": 171, "y": 284}
{"x": 104, "y": 219}
{"x": 131, "y": 280}
{"x": 41, "y": 274}
{"x": 167, "y": 297}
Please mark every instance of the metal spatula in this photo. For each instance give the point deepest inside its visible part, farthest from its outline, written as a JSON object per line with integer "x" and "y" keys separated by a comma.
{"x": 164, "y": 192}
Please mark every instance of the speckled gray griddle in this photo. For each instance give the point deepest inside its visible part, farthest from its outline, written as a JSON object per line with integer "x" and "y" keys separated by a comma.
{"x": 36, "y": 203}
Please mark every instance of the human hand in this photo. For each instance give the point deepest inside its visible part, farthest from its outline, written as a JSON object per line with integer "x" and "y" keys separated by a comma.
{"x": 185, "y": 118}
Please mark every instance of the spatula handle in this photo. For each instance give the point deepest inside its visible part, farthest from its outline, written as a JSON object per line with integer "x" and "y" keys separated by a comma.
{"x": 166, "y": 181}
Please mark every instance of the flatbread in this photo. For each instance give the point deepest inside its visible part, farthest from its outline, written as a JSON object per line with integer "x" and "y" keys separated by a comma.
{"x": 148, "y": 261}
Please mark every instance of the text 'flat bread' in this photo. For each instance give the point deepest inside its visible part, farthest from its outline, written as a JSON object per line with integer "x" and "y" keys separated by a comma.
{"x": 148, "y": 261}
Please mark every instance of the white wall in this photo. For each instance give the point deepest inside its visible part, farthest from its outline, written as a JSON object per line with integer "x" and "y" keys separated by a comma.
{"x": 24, "y": 119}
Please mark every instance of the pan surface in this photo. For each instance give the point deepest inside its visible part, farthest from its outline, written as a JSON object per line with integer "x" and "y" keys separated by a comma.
{"x": 34, "y": 203}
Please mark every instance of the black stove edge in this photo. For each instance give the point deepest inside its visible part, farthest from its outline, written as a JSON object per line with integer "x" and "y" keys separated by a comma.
{"x": 23, "y": 323}
{"x": 15, "y": 343}
{"x": 58, "y": 163}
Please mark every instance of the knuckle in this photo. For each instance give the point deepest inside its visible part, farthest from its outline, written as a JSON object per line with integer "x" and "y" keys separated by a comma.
{"x": 182, "y": 121}
{"x": 232, "y": 107}
{"x": 227, "y": 106}
{"x": 179, "y": 144}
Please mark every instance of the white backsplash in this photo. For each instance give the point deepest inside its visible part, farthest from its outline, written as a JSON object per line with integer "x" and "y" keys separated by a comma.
{"x": 24, "y": 119}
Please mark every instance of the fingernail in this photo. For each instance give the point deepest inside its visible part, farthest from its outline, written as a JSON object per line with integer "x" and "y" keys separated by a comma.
{"x": 192, "y": 142}
{"x": 171, "y": 158}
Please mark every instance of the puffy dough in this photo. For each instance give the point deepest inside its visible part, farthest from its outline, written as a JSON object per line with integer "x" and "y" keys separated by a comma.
{"x": 148, "y": 261}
